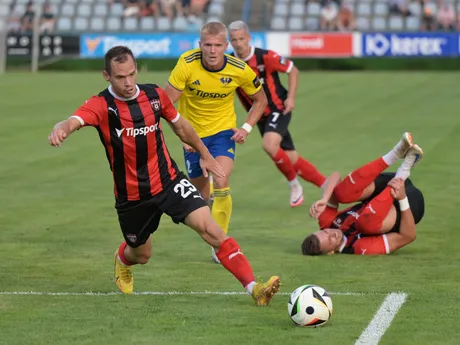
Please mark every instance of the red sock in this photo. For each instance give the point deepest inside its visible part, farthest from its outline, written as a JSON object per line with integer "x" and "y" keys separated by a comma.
{"x": 234, "y": 261}
{"x": 121, "y": 254}
{"x": 283, "y": 163}
{"x": 308, "y": 172}
{"x": 352, "y": 186}
{"x": 371, "y": 219}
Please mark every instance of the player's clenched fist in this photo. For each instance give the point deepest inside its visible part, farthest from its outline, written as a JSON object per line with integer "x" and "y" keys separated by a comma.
{"x": 398, "y": 190}
{"x": 240, "y": 135}
{"x": 57, "y": 136}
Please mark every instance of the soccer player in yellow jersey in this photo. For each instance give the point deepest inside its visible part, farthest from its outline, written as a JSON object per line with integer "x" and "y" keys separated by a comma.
{"x": 204, "y": 82}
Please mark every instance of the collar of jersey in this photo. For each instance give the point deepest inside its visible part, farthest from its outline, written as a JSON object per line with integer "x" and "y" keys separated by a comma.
{"x": 217, "y": 70}
{"x": 247, "y": 58}
{"x": 343, "y": 244}
{"x": 122, "y": 98}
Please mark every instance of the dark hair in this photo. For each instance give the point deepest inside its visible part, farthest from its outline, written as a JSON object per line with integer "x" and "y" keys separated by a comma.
{"x": 311, "y": 245}
{"x": 118, "y": 54}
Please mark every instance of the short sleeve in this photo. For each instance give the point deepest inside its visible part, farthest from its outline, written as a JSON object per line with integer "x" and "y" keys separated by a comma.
{"x": 250, "y": 82}
{"x": 179, "y": 75}
{"x": 169, "y": 112}
{"x": 278, "y": 63}
{"x": 327, "y": 217}
{"x": 91, "y": 112}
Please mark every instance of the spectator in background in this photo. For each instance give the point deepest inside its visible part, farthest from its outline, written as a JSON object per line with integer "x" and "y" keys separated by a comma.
{"x": 148, "y": 8}
{"x": 328, "y": 16}
{"x": 198, "y": 7}
{"x": 27, "y": 19}
{"x": 445, "y": 16}
{"x": 131, "y": 8}
{"x": 399, "y": 7}
{"x": 168, "y": 8}
{"x": 186, "y": 7}
{"x": 14, "y": 22}
{"x": 428, "y": 20}
{"x": 346, "y": 19}
{"x": 47, "y": 20}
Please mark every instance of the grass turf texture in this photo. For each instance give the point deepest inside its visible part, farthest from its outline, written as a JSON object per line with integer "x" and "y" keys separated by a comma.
{"x": 60, "y": 229}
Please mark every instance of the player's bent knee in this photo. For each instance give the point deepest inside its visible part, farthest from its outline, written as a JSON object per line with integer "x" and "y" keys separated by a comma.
{"x": 270, "y": 148}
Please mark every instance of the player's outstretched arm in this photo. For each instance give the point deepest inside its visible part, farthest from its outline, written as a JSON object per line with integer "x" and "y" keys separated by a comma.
{"x": 407, "y": 229}
{"x": 293, "y": 81}
{"x": 62, "y": 130}
{"x": 187, "y": 134}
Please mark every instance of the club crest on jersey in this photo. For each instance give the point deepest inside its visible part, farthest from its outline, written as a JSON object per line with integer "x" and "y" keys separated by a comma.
{"x": 226, "y": 80}
{"x": 282, "y": 60}
{"x": 155, "y": 103}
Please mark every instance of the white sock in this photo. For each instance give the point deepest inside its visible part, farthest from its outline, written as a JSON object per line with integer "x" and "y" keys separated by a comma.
{"x": 250, "y": 287}
{"x": 294, "y": 182}
{"x": 121, "y": 262}
{"x": 390, "y": 158}
{"x": 403, "y": 173}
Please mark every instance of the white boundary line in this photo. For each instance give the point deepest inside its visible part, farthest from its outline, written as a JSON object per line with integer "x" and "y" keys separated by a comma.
{"x": 159, "y": 293}
{"x": 382, "y": 319}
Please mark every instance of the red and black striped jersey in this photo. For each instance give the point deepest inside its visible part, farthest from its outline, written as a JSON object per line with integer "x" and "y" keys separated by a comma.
{"x": 355, "y": 242}
{"x": 267, "y": 64}
{"x": 131, "y": 133}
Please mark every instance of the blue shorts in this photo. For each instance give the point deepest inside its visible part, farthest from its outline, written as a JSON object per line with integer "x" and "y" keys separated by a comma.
{"x": 219, "y": 144}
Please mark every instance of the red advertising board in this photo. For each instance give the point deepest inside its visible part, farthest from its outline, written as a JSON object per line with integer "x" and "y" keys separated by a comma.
{"x": 321, "y": 45}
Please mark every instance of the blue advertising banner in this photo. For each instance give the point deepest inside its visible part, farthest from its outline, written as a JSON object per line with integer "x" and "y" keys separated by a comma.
{"x": 155, "y": 45}
{"x": 416, "y": 44}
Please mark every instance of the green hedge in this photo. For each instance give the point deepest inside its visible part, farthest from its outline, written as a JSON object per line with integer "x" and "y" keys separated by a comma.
{"x": 352, "y": 64}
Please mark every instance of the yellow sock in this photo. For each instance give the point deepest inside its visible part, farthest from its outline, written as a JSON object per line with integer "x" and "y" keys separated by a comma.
{"x": 222, "y": 207}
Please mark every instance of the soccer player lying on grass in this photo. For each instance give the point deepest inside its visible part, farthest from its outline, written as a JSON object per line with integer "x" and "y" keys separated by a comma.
{"x": 147, "y": 181}
{"x": 389, "y": 205}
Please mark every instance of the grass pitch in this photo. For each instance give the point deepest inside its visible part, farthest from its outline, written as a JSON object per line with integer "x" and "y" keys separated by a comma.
{"x": 60, "y": 229}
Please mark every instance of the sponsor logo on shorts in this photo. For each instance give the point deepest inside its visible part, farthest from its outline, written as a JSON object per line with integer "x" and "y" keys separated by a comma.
{"x": 132, "y": 238}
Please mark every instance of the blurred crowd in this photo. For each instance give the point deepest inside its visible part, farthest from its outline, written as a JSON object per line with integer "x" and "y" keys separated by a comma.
{"x": 24, "y": 22}
{"x": 190, "y": 9}
{"x": 167, "y": 8}
{"x": 336, "y": 15}
{"x": 435, "y": 16}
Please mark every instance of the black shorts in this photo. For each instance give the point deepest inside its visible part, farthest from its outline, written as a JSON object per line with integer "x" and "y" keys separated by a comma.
{"x": 278, "y": 123}
{"x": 139, "y": 219}
{"x": 414, "y": 195}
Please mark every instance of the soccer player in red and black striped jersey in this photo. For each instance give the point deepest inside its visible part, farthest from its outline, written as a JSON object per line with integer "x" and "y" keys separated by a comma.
{"x": 147, "y": 181}
{"x": 388, "y": 206}
{"x": 273, "y": 126}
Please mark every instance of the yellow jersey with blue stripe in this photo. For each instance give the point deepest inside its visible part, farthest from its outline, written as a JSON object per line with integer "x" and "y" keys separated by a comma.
{"x": 207, "y": 99}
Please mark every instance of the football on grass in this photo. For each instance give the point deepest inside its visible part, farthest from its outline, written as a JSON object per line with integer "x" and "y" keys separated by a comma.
{"x": 310, "y": 306}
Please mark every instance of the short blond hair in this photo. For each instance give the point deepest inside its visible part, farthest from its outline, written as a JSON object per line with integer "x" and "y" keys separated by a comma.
{"x": 214, "y": 28}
